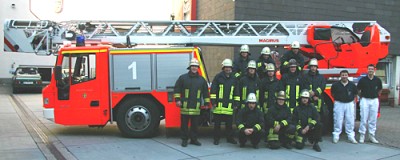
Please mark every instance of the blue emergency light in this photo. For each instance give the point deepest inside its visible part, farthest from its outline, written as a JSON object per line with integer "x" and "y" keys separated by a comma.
{"x": 80, "y": 40}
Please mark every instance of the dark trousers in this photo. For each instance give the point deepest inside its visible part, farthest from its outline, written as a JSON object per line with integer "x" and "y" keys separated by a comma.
{"x": 254, "y": 138}
{"x": 194, "y": 122}
{"x": 228, "y": 119}
{"x": 313, "y": 135}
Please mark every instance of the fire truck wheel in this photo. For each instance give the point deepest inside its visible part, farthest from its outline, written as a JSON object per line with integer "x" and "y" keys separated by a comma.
{"x": 138, "y": 117}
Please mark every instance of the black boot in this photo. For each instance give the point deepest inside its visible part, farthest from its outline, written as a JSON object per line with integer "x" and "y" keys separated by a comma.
{"x": 316, "y": 147}
{"x": 184, "y": 143}
{"x": 195, "y": 142}
{"x": 216, "y": 141}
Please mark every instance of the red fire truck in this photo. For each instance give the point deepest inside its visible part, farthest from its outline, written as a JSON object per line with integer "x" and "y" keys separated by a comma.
{"x": 126, "y": 71}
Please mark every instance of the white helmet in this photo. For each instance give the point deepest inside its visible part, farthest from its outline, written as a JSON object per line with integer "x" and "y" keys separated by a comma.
{"x": 244, "y": 48}
{"x": 252, "y": 64}
{"x": 313, "y": 62}
{"x": 193, "y": 62}
{"x": 226, "y": 63}
{"x": 292, "y": 62}
{"x": 305, "y": 94}
{"x": 252, "y": 98}
{"x": 270, "y": 67}
{"x": 295, "y": 44}
{"x": 266, "y": 51}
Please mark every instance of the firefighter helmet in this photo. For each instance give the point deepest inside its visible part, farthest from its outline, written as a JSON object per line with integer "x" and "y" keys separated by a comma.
{"x": 244, "y": 48}
{"x": 266, "y": 51}
{"x": 270, "y": 67}
{"x": 193, "y": 62}
{"x": 305, "y": 94}
{"x": 281, "y": 95}
{"x": 226, "y": 63}
{"x": 252, "y": 98}
{"x": 292, "y": 62}
{"x": 295, "y": 45}
{"x": 313, "y": 62}
{"x": 252, "y": 64}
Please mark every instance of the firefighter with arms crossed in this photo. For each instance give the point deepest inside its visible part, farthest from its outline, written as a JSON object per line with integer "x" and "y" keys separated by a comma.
{"x": 190, "y": 89}
{"x": 223, "y": 100}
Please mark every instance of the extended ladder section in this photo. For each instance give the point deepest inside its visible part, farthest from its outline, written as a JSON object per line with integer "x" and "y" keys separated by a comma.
{"x": 47, "y": 36}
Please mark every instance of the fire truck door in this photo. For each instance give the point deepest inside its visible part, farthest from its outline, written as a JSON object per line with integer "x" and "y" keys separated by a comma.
{"x": 80, "y": 97}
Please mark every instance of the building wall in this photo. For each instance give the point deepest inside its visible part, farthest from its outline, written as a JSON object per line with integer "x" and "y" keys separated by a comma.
{"x": 384, "y": 12}
{"x": 215, "y": 10}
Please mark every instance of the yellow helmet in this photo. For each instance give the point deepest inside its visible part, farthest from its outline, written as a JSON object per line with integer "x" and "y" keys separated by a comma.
{"x": 266, "y": 51}
{"x": 252, "y": 98}
{"x": 313, "y": 62}
{"x": 295, "y": 45}
{"x": 281, "y": 95}
{"x": 252, "y": 64}
{"x": 305, "y": 94}
{"x": 270, "y": 67}
{"x": 227, "y": 63}
{"x": 244, "y": 48}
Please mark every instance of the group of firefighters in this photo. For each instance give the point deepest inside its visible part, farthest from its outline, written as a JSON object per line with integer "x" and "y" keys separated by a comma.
{"x": 286, "y": 112}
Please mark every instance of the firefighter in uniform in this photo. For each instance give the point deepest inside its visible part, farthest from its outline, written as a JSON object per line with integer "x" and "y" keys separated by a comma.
{"x": 370, "y": 88}
{"x": 294, "y": 53}
{"x": 306, "y": 119}
{"x": 292, "y": 83}
{"x": 240, "y": 63}
{"x": 189, "y": 90}
{"x": 316, "y": 83}
{"x": 264, "y": 59}
{"x": 343, "y": 92}
{"x": 269, "y": 88}
{"x": 250, "y": 121}
{"x": 250, "y": 83}
{"x": 278, "y": 122}
{"x": 223, "y": 99}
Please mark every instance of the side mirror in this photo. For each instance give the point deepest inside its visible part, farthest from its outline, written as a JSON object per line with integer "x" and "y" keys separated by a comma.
{"x": 57, "y": 73}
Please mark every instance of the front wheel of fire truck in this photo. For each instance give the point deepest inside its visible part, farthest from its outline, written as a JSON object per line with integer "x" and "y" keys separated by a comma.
{"x": 138, "y": 117}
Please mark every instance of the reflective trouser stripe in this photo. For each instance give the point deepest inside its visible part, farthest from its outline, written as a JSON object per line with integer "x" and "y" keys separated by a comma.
{"x": 272, "y": 136}
{"x": 298, "y": 138}
{"x": 288, "y": 95}
{"x": 244, "y": 96}
{"x": 297, "y": 94}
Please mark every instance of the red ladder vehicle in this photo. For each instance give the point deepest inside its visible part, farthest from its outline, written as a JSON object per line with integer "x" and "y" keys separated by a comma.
{"x": 125, "y": 71}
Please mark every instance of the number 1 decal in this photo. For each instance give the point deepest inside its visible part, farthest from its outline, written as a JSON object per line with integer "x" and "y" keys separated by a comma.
{"x": 133, "y": 67}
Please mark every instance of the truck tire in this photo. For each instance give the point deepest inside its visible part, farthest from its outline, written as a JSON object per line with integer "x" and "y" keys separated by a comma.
{"x": 138, "y": 117}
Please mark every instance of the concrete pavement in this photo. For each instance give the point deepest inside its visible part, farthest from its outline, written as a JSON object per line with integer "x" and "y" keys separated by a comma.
{"x": 106, "y": 143}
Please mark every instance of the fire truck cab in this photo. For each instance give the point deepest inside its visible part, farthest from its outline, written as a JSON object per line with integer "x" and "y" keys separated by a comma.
{"x": 133, "y": 86}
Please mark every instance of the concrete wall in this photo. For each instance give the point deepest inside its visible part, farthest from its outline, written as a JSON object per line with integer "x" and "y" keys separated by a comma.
{"x": 215, "y": 10}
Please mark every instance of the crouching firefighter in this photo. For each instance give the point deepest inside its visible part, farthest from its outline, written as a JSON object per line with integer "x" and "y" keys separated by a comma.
{"x": 306, "y": 119}
{"x": 279, "y": 126}
{"x": 223, "y": 99}
{"x": 250, "y": 121}
{"x": 190, "y": 89}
